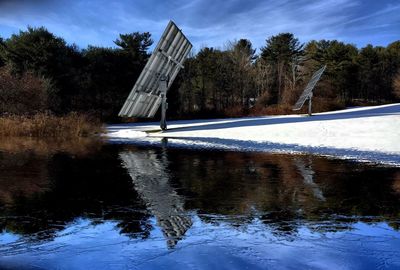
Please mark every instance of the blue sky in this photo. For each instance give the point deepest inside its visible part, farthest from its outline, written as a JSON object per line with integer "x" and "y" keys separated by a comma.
{"x": 208, "y": 22}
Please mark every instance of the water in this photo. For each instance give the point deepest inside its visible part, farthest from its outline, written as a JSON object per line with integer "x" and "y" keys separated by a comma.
{"x": 97, "y": 206}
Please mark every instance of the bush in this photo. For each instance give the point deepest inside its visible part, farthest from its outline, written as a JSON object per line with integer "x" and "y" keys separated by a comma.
{"x": 271, "y": 110}
{"x": 263, "y": 100}
{"x": 24, "y": 94}
{"x": 318, "y": 105}
{"x": 46, "y": 125}
{"x": 236, "y": 111}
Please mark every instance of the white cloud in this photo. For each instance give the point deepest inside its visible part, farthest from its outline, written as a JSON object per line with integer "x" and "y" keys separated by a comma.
{"x": 208, "y": 22}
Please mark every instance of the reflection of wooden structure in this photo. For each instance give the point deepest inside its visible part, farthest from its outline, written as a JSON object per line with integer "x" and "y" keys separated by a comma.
{"x": 150, "y": 177}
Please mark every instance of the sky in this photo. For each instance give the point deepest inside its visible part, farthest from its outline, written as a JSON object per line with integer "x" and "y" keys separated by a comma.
{"x": 211, "y": 23}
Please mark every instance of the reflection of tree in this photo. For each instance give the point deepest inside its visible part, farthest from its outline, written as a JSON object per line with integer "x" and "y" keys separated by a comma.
{"x": 285, "y": 190}
{"x": 16, "y": 175}
{"x": 150, "y": 176}
{"x": 40, "y": 194}
{"x": 396, "y": 183}
{"x": 65, "y": 187}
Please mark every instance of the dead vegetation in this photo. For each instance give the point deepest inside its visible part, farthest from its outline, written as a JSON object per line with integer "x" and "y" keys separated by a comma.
{"x": 72, "y": 125}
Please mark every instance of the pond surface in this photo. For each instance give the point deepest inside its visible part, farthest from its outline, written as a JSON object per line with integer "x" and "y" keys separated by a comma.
{"x": 102, "y": 206}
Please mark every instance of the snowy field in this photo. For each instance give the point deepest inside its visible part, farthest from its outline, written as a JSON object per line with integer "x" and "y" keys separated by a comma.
{"x": 365, "y": 133}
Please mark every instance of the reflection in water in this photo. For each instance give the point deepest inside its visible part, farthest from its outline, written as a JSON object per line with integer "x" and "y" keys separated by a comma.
{"x": 42, "y": 193}
{"x": 308, "y": 175}
{"x": 114, "y": 206}
{"x": 396, "y": 183}
{"x": 22, "y": 174}
{"x": 46, "y": 147}
{"x": 150, "y": 176}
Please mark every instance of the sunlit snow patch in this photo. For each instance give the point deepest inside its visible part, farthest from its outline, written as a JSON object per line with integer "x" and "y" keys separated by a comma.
{"x": 364, "y": 134}
{"x": 127, "y": 133}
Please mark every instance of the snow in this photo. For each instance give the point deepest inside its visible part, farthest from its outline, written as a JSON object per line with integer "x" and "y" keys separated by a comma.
{"x": 127, "y": 133}
{"x": 362, "y": 133}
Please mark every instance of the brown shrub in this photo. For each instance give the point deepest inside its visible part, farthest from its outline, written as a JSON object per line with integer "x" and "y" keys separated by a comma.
{"x": 321, "y": 104}
{"x": 290, "y": 97}
{"x": 263, "y": 100}
{"x": 46, "y": 125}
{"x": 236, "y": 111}
{"x": 24, "y": 94}
{"x": 318, "y": 105}
{"x": 271, "y": 110}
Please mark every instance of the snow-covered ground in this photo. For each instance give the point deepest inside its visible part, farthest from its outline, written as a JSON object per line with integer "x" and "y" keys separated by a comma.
{"x": 363, "y": 133}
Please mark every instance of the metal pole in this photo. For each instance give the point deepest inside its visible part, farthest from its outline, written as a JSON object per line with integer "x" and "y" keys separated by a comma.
{"x": 164, "y": 105}
{"x": 310, "y": 104}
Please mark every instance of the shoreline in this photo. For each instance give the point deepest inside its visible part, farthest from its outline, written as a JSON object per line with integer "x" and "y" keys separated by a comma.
{"x": 368, "y": 134}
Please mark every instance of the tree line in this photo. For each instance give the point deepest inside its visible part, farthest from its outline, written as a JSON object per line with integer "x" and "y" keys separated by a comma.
{"x": 235, "y": 81}
{"x": 62, "y": 78}
{"x": 41, "y": 72}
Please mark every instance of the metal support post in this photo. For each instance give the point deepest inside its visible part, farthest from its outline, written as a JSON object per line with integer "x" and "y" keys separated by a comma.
{"x": 164, "y": 105}
{"x": 310, "y": 104}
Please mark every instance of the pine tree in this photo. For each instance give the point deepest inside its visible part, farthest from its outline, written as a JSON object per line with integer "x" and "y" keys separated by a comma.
{"x": 279, "y": 51}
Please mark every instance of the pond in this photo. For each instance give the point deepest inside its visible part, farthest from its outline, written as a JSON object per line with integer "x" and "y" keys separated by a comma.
{"x": 91, "y": 205}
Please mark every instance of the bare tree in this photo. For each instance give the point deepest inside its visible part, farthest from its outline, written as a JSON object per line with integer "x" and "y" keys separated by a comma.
{"x": 263, "y": 81}
{"x": 292, "y": 77}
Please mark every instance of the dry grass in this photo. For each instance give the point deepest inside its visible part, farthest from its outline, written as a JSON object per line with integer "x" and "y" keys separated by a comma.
{"x": 319, "y": 105}
{"x": 45, "y": 125}
{"x": 271, "y": 110}
{"x": 49, "y": 146}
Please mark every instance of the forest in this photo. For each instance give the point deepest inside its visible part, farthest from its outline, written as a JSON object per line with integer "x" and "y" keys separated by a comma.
{"x": 41, "y": 73}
